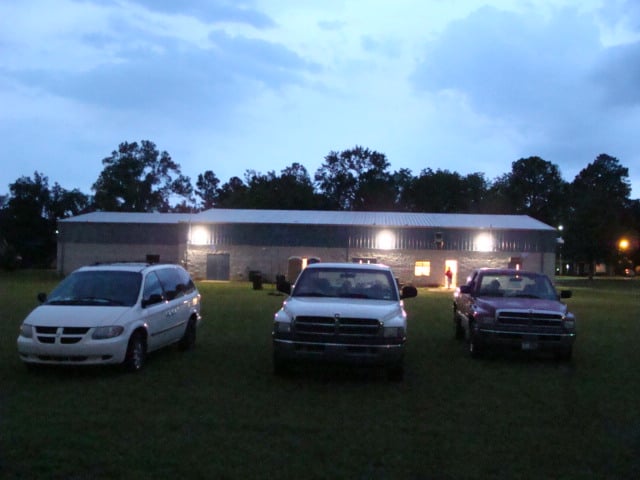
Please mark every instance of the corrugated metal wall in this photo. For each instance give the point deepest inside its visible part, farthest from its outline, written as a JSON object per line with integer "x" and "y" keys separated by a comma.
{"x": 367, "y": 237}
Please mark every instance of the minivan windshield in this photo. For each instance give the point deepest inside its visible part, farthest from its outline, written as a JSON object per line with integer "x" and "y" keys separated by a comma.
{"x": 346, "y": 283}
{"x": 97, "y": 287}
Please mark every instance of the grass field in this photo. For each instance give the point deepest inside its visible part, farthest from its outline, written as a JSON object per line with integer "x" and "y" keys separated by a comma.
{"x": 218, "y": 411}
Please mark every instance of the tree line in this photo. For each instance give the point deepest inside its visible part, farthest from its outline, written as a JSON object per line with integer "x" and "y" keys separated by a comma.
{"x": 595, "y": 209}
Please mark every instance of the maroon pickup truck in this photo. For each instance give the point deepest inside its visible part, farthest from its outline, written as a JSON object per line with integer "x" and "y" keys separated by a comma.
{"x": 513, "y": 309}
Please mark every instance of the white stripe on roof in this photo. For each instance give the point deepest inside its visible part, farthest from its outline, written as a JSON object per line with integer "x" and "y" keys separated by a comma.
{"x": 324, "y": 217}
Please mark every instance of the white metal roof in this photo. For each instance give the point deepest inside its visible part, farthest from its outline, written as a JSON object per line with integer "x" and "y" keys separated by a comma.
{"x": 324, "y": 217}
{"x": 129, "y": 217}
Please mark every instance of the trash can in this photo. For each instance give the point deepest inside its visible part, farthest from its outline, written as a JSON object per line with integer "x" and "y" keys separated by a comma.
{"x": 257, "y": 280}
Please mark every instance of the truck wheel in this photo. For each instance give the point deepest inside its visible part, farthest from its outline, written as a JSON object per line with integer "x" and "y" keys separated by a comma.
{"x": 395, "y": 373}
{"x": 475, "y": 351}
{"x": 280, "y": 366}
{"x": 459, "y": 331}
{"x": 565, "y": 354}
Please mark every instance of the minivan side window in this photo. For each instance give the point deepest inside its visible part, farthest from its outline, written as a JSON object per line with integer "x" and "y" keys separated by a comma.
{"x": 185, "y": 280}
{"x": 152, "y": 286}
{"x": 170, "y": 279}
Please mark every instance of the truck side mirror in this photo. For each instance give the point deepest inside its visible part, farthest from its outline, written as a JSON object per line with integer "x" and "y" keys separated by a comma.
{"x": 408, "y": 291}
{"x": 284, "y": 287}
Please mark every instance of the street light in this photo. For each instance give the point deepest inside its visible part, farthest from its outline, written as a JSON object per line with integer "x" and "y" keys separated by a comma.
{"x": 623, "y": 261}
{"x": 560, "y": 242}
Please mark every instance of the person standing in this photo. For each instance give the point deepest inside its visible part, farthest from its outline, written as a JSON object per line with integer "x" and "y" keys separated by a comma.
{"x": 449, "y": 275}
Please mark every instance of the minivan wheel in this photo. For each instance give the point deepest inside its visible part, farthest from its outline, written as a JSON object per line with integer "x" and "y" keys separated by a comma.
{"x": 136, "y": 353}
{"x": 188, "y": 340}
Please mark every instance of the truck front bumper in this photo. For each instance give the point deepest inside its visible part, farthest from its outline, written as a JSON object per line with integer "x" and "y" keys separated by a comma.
{"x": 524, "y": 340}
{"x": 354, "y": 354}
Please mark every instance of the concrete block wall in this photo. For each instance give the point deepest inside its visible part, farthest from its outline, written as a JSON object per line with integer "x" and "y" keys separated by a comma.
{"x": 271, "y": 261}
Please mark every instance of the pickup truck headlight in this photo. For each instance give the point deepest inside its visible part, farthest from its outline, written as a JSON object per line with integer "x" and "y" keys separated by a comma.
{"x": 482, "y": 317}
{"x": 281, "y": 327}
{"x": 26, "y": 331}
{"x": 102, "y": 333}
{"x": 569, "y": 322}
{"x": 393, "y": 332}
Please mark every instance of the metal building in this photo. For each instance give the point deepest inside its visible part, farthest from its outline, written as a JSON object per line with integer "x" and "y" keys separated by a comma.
{"x": 233, "y": 244}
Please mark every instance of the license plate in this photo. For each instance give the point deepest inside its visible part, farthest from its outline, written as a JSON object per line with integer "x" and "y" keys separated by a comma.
{"x": 529, "y": 345}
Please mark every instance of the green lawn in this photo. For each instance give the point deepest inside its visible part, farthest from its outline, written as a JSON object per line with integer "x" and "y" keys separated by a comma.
{"x": 218, "y": 411}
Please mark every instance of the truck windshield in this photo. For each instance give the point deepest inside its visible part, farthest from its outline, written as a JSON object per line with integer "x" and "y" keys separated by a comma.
{"x": 524, "y": 286}
{"x": 346, "y": 283}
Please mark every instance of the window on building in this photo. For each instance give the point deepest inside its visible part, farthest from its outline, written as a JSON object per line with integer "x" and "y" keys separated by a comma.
{"x": 439, "y": 241}
{"x": 423, "y": 268}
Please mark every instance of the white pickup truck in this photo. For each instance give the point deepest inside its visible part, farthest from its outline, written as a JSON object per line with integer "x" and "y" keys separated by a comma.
{"x": 345, "y": 313}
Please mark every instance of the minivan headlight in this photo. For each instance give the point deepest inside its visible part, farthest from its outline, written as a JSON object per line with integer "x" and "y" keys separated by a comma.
{"x": 102, "y": 333}
{"x": 26, "y": 331}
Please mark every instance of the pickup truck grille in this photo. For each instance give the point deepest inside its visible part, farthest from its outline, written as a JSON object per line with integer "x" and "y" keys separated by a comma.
{"x": 529, "y": 318}
{"x": 337, "y": 330}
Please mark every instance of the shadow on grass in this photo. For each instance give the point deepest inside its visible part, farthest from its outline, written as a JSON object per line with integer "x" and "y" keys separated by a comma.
{"x": 335, "y": 374}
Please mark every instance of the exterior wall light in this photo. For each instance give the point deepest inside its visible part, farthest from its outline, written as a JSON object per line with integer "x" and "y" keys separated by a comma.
{"x": 199, "y": 235}
{"x": 484, "y": 243}
{"x": 386, "y": 240}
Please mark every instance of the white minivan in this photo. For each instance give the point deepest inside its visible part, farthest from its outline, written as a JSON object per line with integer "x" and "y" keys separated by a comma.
{"x": 112, "y": 314}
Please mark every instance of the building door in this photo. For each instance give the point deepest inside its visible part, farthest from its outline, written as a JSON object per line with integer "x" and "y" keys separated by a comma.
{"x": 218, "y": 266}
{"x": 453, "y": 265}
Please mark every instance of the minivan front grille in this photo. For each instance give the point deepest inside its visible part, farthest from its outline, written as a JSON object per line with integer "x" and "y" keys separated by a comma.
{"x": 61, "y": 335}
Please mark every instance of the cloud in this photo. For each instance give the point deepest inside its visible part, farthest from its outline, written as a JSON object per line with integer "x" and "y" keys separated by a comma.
{"x": 259, "y": 84}
{"x": 148, "y": 69}
{"x": 207, "y": 11}
{"x": 525, "y": 70}
{"x": 617, "y": 73}
{"x": 508, "y": 64}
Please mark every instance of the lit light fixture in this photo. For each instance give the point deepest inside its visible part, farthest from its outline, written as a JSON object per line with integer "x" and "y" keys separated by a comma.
{"x": 623, "y": 244}
{"x": 484, "y": 242}
{"x": 386, "y": 240}
{"x": 199, "y": 236}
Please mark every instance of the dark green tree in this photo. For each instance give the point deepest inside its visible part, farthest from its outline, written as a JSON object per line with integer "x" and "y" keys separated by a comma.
{"x": 207, "y": 189}
{"x": 294, "y": 189}
{"x": 443, "y": 191}
{"x": 474, "y": 193}
{"x": 348, "y": 180}
{"x": 139, "y": 178}
{"x": 232, "y": 194}
{"x": 599, "y": 199}
{"x": 291, "y": 190}
{"x": 534, "y": 187}
{"x": 66, "y": 203}
{"x": 27, "y": 227}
